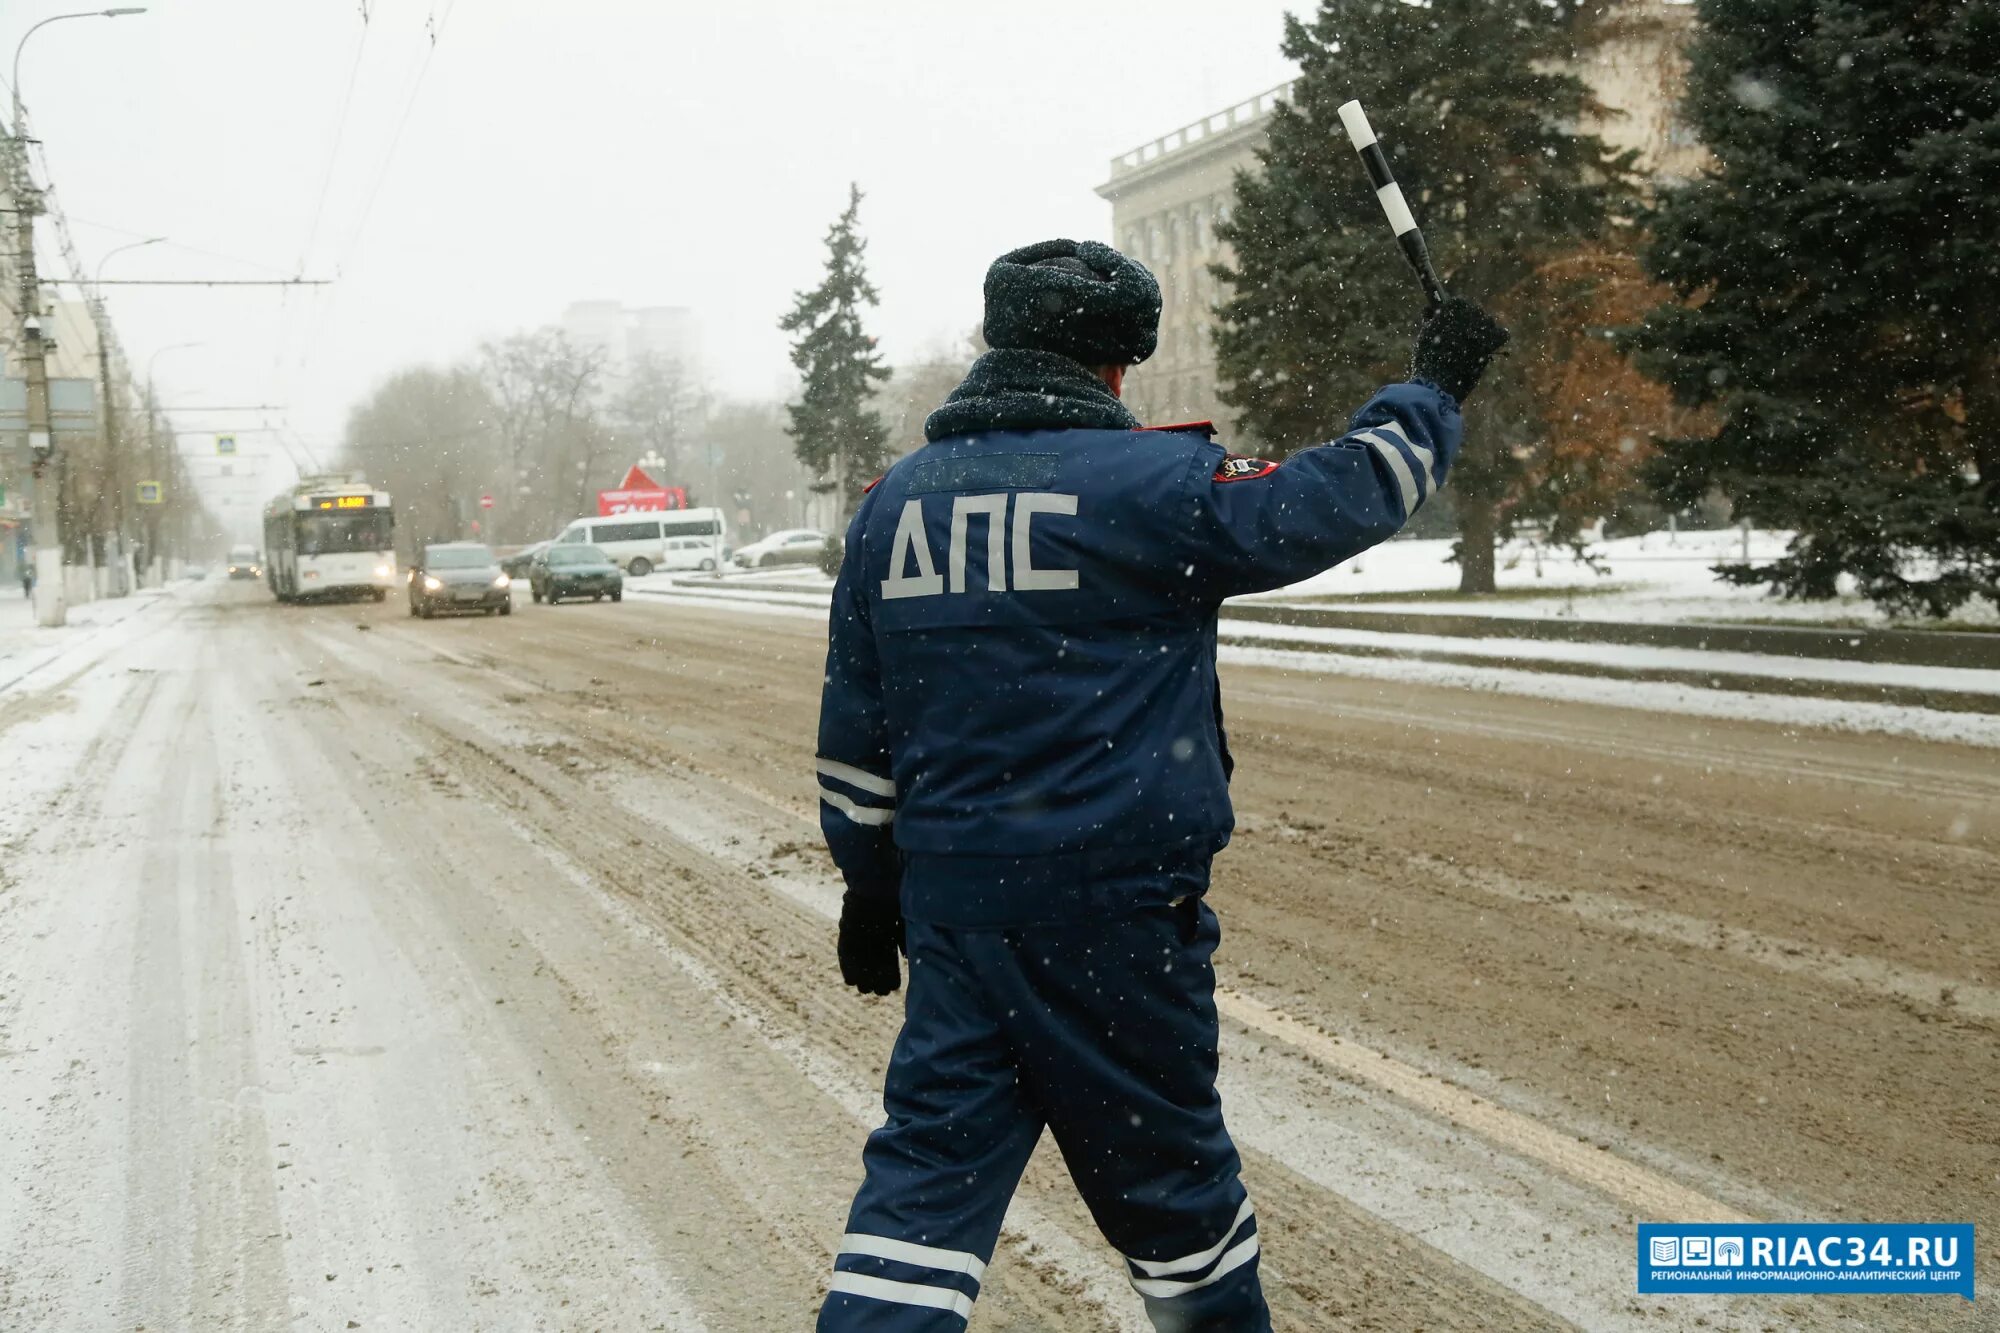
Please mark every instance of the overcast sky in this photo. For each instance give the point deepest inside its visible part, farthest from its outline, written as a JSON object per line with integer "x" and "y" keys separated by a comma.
{"x": 657, "y": 153}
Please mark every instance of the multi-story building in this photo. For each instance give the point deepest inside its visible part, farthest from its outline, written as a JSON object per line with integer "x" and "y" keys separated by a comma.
{"x": 628, "y": 336}
{"x": 1166, "y": 196}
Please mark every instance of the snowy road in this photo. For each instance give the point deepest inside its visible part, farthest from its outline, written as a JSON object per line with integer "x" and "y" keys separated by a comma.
{"x": 360, "y": 972}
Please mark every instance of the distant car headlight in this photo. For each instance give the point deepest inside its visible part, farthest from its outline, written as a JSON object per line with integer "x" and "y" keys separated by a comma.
{"x": 502, "y": 581}
{"x": 432, "y": 584}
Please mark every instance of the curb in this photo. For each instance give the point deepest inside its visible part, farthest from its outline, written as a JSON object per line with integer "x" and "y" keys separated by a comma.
{"x": 1935, "y": 648}
{"x": 1948, "y": 701}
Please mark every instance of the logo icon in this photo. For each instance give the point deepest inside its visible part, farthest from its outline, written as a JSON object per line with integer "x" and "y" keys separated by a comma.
{"x": 1695, "y": 1251}
{"x": 1666, "y": 1251}
{"x": 1729, "y": 1251}
{"x": 1235, "y": 467}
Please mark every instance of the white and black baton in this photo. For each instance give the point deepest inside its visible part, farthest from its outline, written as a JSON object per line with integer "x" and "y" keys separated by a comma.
{"x": 1401, "y": 220}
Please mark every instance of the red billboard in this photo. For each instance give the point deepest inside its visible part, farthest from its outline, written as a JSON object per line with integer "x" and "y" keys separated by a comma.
{"x": 639, "y": 494}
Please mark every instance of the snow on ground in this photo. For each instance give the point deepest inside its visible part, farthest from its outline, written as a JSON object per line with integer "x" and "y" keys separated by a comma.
{"x": 1658, "y": 578}
{"x": 1886, "y": 675}
{"x": 26, "y": 647}
{"x": 1786, "y": 710}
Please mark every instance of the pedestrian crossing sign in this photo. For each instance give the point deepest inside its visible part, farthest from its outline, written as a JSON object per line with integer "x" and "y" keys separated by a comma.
{"x": 149, "y": 492}
{"x": 225, "y": 444}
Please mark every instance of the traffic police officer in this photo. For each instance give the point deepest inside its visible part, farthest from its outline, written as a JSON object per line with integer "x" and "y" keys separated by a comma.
{"x": 1023, "y": 777}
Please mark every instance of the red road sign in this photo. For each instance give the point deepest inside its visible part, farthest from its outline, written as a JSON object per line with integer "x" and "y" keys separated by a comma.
{"x": 485, "y": 502}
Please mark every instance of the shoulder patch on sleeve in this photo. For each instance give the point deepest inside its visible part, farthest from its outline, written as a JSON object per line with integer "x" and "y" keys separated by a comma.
{"x": 873, "y": 484}
{"x": 1235, "y": 467}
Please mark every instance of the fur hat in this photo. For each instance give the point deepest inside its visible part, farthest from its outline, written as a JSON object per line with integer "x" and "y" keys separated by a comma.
{"x": 1079, "y": 299}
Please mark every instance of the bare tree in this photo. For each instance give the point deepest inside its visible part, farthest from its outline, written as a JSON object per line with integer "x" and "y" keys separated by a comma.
{"x": 915, "y": 390}
{"x": 429, "y": 437}
{"x": 659, "y": 409}
{"x": 544, "y": 390}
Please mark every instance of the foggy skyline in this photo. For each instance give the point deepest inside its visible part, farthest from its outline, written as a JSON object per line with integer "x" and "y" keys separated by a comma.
{"x": 654, "y": 155}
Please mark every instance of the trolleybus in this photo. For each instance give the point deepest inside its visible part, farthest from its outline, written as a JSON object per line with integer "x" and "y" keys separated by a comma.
{"x": 330, "y": 537}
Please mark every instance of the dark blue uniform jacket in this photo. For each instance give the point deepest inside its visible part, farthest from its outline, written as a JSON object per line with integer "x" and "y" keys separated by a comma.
{"x": 1021, "y": 722}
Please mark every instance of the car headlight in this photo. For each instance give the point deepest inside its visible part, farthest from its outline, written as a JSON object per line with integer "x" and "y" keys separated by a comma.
{"x": 385, "y": 571}
{"x": 502, "y": 581}
{"x": 433, "y": 584}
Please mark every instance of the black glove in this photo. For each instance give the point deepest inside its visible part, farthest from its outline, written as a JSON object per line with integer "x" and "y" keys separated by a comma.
{"x": 871, "y": 935}
{"x": 1454, "y": 345}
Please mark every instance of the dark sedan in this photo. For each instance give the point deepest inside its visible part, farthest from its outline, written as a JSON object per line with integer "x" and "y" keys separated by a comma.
{"x": 575, "y": 571}
{"x": 458, "y": 576}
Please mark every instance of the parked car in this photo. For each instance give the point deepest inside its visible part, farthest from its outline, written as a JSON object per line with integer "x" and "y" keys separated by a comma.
{"x": 575, "y": 571}
{"x": 642, "y": 543}
{"x": 458, "y": 576}
{"x": 244, "y": 563}
{"x": 792, "y": 546}
{"x": 515, "y": 564}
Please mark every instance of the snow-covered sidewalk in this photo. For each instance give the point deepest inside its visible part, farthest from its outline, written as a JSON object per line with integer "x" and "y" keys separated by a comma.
{"x": 1657, "y": 578}
{"x": 1627, "y": 657}
{"x": 26, "y": 647}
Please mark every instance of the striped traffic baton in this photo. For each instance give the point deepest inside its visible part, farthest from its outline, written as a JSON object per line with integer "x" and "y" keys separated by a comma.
{"x": 1390, "y": 194}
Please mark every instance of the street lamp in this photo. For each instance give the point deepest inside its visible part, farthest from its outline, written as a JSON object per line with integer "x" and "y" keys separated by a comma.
{"x": 98, "y": 276}
{"x": 156, "y": 570}
{"x": 170, "y": 347}
{"x": 50, "y": 609}
{"x": 107, "y": 425}
{"x": 120, "y": 12}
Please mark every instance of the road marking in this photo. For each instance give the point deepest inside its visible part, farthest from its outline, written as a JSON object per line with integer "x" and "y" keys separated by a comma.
{"x": 1862, "y": 971}
{"x": 1648, "y": 1193}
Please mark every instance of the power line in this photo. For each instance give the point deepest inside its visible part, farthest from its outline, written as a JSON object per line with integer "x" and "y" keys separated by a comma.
{"x": 339, "y": 134}
{"x": 172, "y": 244}
{"x": 395, "y": 141}
{"x": 285, "y": 313}
{"x": 435, "y": 27}
{"x": 189, "y": 282}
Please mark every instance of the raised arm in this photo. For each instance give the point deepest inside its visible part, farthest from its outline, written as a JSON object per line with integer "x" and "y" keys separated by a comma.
{"x": 1251, "y": 525}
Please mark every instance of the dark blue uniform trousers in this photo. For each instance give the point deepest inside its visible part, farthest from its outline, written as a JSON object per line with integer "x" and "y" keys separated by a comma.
{"x": 1105, "y": 1032}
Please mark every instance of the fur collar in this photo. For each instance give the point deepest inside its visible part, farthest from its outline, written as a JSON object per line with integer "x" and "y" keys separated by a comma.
{"x": 1022, "y": 389}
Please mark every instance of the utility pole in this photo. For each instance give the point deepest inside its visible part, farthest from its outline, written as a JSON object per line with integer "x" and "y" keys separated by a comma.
{"x": 156, "y": 565}
{"x": 50, "y": 605}
{"x": 50, "y": 602}
{"x": 114, "y": 455}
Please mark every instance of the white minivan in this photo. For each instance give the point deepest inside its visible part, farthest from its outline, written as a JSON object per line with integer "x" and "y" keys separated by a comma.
{"x": 642, "y": 543}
